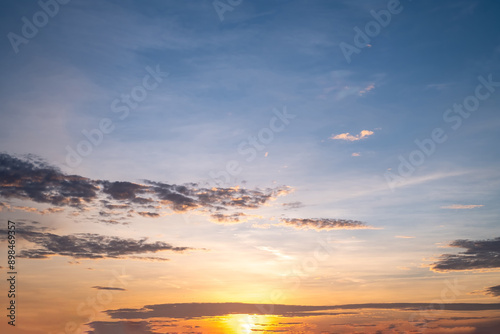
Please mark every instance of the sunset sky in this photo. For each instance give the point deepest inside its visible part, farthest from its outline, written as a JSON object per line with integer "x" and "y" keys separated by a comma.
{"x": 251, "y": 166}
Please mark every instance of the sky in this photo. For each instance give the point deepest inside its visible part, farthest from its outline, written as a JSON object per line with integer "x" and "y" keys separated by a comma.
{"x": 250, "y": 166}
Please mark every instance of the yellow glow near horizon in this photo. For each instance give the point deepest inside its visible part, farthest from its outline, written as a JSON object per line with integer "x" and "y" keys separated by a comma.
{"x": 246, "y": 323}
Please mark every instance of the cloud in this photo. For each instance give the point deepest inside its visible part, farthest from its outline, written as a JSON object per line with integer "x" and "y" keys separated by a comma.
{"x": 493, "y": 291}
{"x": 347, "y": 136}
{"x": 195, "y": 310}
{"x": 88, "y": 245}
{"x": 32, "y": 179}
{"x": 129, "y": 327}
{"x": 293, "y": 205}
{"x": 403, "y": 237}
{"x": 274, "y": 251}
{"x": 39, "y": 182}
{"x": 461, "y": 206}
{"x": 324, "y": 223}
{"x": 237, "y": 217}
{"x": 108, "y": 288}
{"x": 356, "y": 154}
{"x": 479, "y": 255}
{"x": 366, "y": 89}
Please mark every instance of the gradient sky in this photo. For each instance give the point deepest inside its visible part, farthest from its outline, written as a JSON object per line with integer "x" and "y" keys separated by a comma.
{"x": 160, "y": 153}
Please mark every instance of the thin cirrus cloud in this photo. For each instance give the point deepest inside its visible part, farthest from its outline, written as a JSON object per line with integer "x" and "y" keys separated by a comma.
{"x": 324, "y": 224}
{"x": 347, "y": 136}
{"x": 462, "y": 206}
{"x": 32, "y": 179}
{"x": 481, "y": 255}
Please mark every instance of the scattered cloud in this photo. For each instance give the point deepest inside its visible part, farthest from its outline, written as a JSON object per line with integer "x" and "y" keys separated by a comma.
{"x": 347, "y": 136}
{"x": 403, "y": 237}
{"x": 324, "y": 223}
{"x": 479, "y": 255}
{"x": 356, "y": 154}
{"x": 32, "y": 179}
{"x": 88, "y": 245}
{"x": 35, "y": 180}
{"x": 461, "y": 206}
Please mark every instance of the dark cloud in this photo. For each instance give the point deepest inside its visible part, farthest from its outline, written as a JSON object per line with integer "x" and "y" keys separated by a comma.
{"x": 120, "y": 327}
{"x": 195, "y": 310}
{"x": 323, "y": 223}
{"x": 88, "y": 246}
{"x": 107, "y": 288}
{"x": 34, "y": 180}
{"x": 493, "y": 291}
{"x": 479, "y": 255}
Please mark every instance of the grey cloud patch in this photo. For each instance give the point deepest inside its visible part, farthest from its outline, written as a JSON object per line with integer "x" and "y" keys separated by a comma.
{"x": 32, "y": 179}
{"x": 231, "y": 218}
{"x": 493, "y": 291}
{"x": 293, "y": 205}
{"x": 39, "y": 182}
{"x": 108, "y": 288}
{"x": 323, "y": 223}
{"x": 479, "y": 255}
{"x": 120, "y": 327}
{"x": 89, "y": 246}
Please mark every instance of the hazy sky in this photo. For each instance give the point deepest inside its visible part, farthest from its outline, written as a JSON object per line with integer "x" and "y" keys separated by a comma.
{"x": 303, "y": 153}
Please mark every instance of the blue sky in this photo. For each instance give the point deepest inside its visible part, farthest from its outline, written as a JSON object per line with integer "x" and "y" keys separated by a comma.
{"x": 228, "y": 79}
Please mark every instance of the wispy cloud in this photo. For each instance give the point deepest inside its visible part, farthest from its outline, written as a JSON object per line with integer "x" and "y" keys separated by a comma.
{"x": 366, "y": 89}
{"x": 462, "y": 206}
{"x": 324, "y": 223}
{"x": 347, "y": 136}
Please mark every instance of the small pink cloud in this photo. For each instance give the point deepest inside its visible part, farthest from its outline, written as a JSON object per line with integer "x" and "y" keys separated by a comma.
{"x": 349, "y": 137}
